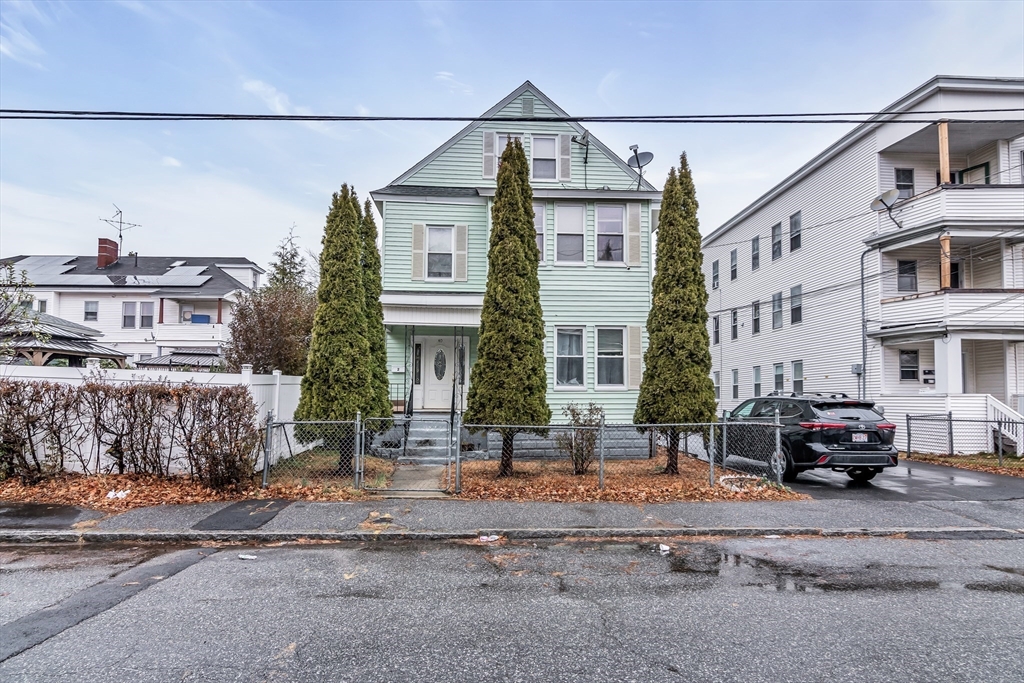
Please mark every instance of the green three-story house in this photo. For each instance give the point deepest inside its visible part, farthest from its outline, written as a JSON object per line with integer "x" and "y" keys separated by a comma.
{"x": 594, "y": 219}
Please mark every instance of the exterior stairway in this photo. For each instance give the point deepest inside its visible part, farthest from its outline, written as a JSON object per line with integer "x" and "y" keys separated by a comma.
{"x": 426, "y": 442}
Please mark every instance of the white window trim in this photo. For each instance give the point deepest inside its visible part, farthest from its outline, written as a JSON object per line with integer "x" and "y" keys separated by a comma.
{"x": 426, "y": 252}
{"x": 582, "y": 387}
{"x": 152, "y": 315}
{"x": 86, "y": 311}
{"x": 625, "y": 360}
{"x": 597, "y": 226}
{"x": 776, "y": 375}
{"x": 900, "y": 366}
{"x": 558, "y": 164}
{"x": 135, "y": 315}
{"x": 543, "y": 229}
{"x": 583, "y": 260}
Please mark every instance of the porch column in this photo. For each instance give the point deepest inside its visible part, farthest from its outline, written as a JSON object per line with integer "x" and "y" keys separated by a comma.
{"x": 160, "y": 319}
{"x": 949, "y": 374}
{"x": 944, "y": 152}
{"x": 944, "y": 270}
{"x": 220, "y": 306}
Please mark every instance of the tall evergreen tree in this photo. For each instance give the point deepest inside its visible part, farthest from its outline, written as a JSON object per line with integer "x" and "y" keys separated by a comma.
{"x": 378, "y": 399}
{"x": 338, "y": 376}
{"x": 677, "y": 386}
{"x": 289, "y": 270}
{"x": 508, "y": 382}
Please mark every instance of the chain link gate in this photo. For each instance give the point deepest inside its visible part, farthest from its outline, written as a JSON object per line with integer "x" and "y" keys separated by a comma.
{"x": 405, "y": 442}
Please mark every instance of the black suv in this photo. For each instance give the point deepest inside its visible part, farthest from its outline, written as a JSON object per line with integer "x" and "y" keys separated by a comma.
{"x": 832, "y": 431}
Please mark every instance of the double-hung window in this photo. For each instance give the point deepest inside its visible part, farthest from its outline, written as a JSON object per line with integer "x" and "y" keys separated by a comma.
{"x": 757, "y": 381}
{"x": 544, "y": 150}
{"x": 538, "y": 227}
{"x": 755, "y": 317}
{"x": 735, "y": 383}
{"x": 777, "y": 311}
{"x": 439, "y": 252}
{"x": 776, "y": 241}
{"x": 92, "y": 311}
{"x": 798, "y": 377}
{"x": 755, "y": 252}
{"x": 611, "y": 359}
{"x": 714, "y": 275}
{"x": 569, "y": 357}
{"x": 733, "y": 269}
{"x": 146, "y": 315}
{"x": 734, "y": 324}
{"x": 905, "y": 182}
{"x": 128, "y": 314}
{"x": 717, "y": 379}
{"x": 796, "y": 305}
{"x": 569, "y": 223}
{"x": 610, "y": 220}
{"x": 795, "y": 231}
{"x": 715, "y": 330}
{"x": 42, "y": 305}
{"x": 908, "y": 364}
{"x": 780, "y": 377}
{"x": 906, "y": 276}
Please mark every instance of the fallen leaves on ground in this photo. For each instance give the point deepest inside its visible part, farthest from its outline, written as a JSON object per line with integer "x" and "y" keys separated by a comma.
{"x": 626, "y": 481}
{"x": 1012, "y": 466}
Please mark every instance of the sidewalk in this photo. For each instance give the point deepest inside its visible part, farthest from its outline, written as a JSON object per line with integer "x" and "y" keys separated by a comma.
{"x": 254, "y": 521}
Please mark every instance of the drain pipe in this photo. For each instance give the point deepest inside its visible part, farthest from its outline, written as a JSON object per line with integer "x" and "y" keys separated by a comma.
{"x": 862, "y": 385}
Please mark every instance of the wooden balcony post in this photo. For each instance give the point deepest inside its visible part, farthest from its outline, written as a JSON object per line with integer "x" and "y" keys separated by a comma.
{"x": 944, "y": 261}
{"x": 160, "y": 319}
{"x": 220, "y": 305}
{"x": 944, "y": 152}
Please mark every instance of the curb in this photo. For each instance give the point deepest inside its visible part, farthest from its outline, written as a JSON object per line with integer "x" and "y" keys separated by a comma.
{"x": 187, "y": 536}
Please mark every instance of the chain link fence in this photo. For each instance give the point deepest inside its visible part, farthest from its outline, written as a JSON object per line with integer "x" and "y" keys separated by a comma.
{"x": 939, "y": 437}
{"x": 311, "y": 454}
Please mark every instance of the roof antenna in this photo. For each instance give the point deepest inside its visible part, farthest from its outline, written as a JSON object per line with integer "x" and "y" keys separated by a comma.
{"x": 585, "y": 141}
{"x": 639, "y": 160}
{"x": 117, "y": 221}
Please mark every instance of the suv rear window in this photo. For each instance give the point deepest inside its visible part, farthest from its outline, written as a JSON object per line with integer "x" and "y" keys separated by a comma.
{"x": 839, "y": 411}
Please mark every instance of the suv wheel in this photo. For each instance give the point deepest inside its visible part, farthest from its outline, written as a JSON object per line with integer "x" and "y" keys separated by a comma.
{"x": 861, "y": 475}
{"x": 789, "y": 472}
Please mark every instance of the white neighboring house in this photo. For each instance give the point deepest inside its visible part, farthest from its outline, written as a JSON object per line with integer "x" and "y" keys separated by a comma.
{"x": 144, "y": 306}
{"x": 944, "y": 289}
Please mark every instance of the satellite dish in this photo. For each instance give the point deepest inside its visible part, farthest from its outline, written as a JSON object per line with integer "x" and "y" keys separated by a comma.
{"x": 885, "y": 200}
{"x": 640, "y": 159}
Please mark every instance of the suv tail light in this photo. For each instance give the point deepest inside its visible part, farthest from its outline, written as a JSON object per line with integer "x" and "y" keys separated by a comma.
{"x": 886, "y": 426}
{"x": 823, "y": 425}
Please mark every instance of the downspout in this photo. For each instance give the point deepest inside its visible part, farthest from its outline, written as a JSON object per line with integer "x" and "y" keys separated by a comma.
{"x": 862, "y": 385}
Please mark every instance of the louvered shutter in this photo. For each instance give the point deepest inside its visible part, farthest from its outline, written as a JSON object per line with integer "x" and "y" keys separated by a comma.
{"x": 490, "y": 160}
{"x": 633, "y": 234}
{"x": 461, "y": 253}
{"x": 565, "y": 157}
{"x": 527, "y": 106}
{"x": 636, "y": 358}
{"x": 418, "y": 232}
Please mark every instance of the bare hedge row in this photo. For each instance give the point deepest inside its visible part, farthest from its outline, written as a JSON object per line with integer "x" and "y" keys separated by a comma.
{"x": 147, "y": 428}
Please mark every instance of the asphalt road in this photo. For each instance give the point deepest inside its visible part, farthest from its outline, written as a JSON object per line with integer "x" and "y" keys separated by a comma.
{"x": 911, "y": 482}
{"x": 729, "y": 610}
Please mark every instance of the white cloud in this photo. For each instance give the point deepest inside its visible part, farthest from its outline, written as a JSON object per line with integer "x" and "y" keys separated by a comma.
{"x": 606, "y": 84}
{"x": 362, "y": 111}
{"x": 448, "y": 79}
{"x": 433, "y": 12}
{"x": 170, "y": 161}
{"x": 279, "y": 103}
{"x": 16, "y": 41}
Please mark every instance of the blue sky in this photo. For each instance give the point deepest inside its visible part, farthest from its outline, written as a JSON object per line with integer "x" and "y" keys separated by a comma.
{"x": 228, "y": 189}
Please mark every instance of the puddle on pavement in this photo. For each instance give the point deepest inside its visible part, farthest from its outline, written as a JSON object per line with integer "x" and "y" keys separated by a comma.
{"x": 773, "y": 575}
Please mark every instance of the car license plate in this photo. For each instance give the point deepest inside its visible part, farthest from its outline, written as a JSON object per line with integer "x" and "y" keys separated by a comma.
{"x": 860, "y": 438}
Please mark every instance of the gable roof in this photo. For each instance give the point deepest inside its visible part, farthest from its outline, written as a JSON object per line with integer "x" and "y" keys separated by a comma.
{"x": 491, "y": 114}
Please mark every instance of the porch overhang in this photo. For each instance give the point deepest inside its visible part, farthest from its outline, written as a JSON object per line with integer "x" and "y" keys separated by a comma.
{"x": 904, "y": 334}
{"x": 442, "y": 309}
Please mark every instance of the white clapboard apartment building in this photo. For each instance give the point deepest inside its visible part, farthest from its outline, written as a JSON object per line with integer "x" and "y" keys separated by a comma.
{"x": 146, "y": 307}
{"x": 943, "y": 271}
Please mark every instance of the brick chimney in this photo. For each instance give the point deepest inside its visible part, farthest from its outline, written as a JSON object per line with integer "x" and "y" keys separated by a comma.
{"x": 107, "y": 254}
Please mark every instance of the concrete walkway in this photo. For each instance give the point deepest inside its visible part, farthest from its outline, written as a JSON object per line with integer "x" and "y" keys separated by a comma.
{"x": 415, "y": 481}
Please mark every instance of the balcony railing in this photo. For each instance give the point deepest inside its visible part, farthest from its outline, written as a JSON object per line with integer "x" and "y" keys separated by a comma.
{"x": 964, "y": 307}
{"x": 189, "y": 332}
{"x": 970, "y": 203}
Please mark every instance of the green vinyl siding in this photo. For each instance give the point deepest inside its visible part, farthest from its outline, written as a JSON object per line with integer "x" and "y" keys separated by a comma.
{"x": 399, "y": 218}
{"x": 461, "y": 165}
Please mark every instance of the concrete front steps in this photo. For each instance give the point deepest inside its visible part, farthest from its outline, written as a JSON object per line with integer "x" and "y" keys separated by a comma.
{"x": 426, "y": 443}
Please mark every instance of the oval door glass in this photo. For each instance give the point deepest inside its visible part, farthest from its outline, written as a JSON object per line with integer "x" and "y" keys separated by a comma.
{"x": 440, "y": 364}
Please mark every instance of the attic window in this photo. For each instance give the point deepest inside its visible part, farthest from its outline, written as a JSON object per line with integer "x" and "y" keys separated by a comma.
{"x": 545, "y": 158}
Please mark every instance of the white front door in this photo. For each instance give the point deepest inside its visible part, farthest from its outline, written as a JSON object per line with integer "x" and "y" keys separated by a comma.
{"x": 438, "y": 371}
